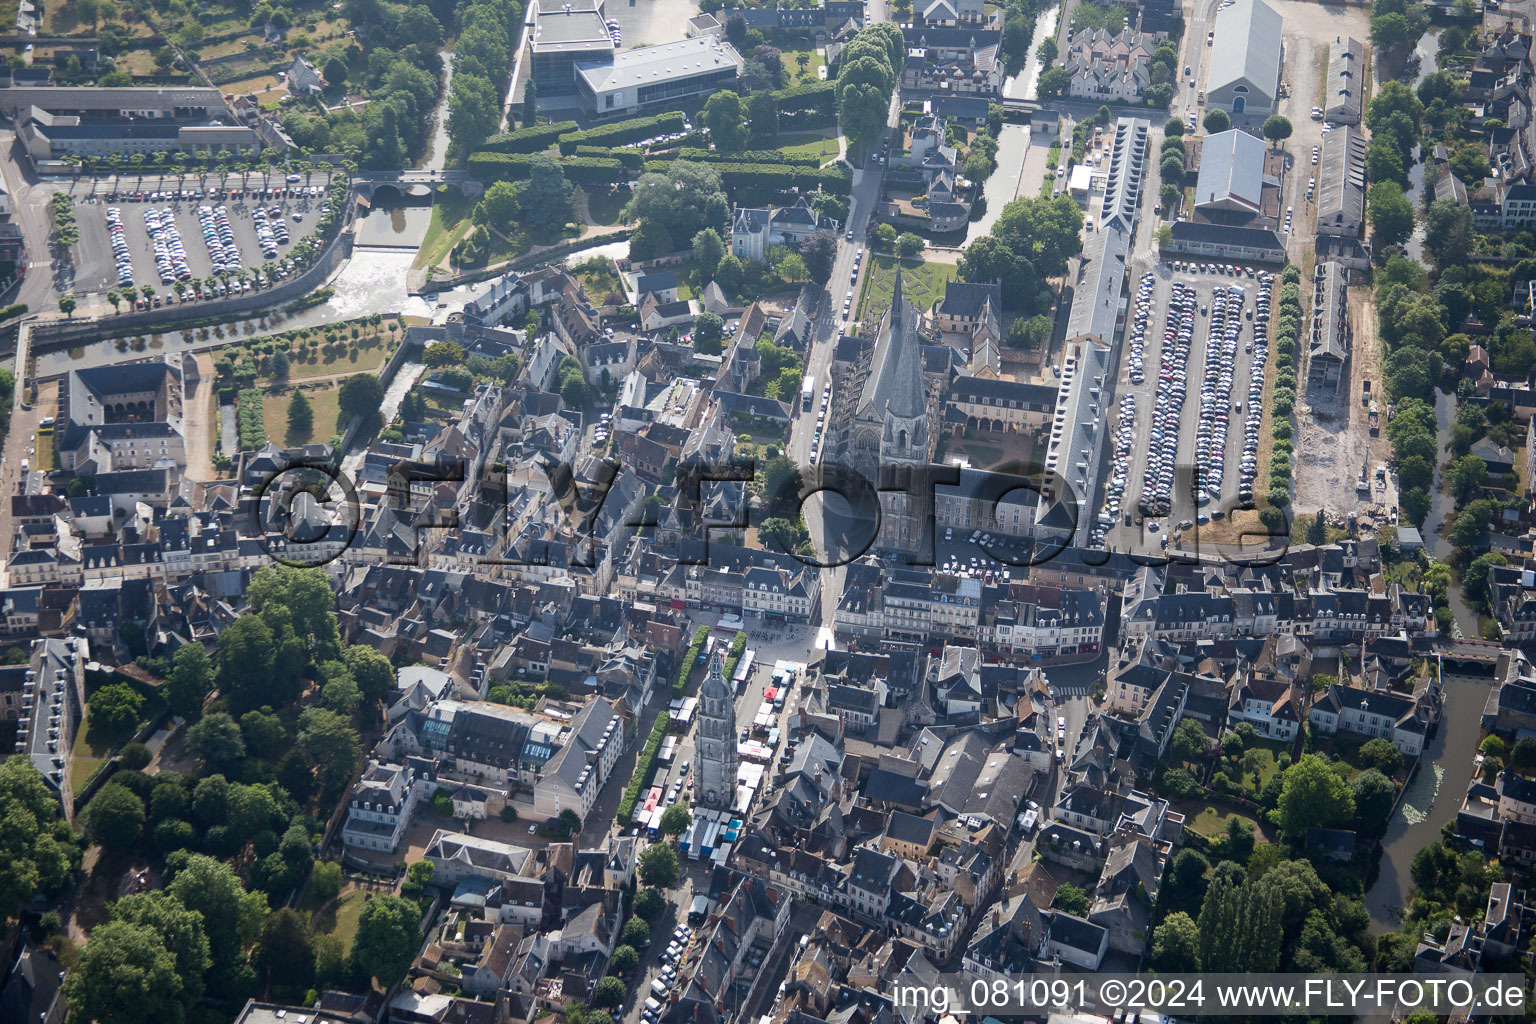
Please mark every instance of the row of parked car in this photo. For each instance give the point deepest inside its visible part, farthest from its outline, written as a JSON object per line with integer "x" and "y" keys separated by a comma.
{"x": 821, "y": 422}
{"x": 218, "y": 194}
{"x": 1139, "y": 328}
{"x": 1216, "y": 405}
{"x": 1248, "y": 469}
{"x": 270, "y": 230}
{"x": 170, "y": 255}
{"x": 662, "y": 984}
{"x": 1168, "y": 405}
{"x": 1119, "y": 469}
{"x": 219, "y": 237}
{"x": 120, "y": 251}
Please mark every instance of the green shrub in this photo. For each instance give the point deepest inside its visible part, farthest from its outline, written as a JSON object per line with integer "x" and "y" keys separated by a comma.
{"x": 533, "y": 139}
{"x": 622, "y": 132}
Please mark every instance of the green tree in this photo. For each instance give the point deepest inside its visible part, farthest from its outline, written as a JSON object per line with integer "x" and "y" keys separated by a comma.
{"x": 624, "y": 960}
{"x": 530, "y": 103}
{"x": 636, "y": 933}
{"x": 38, "y": 853}
{"x": 1382, "y": 755}
{"x": 1073, "y": 900}
{"x": 1522, "y": 759}
{"x": 763, "y": 113}
{"x": 125, "y": 975}
{"x": 608, "y": 992}
{"x": 1276, "y": 128}
{"x": 114, "y": 818}
{"x": 1176, "y": 944}
{"x": 1466, "y": 476}
{"x": 332, "y": 745}
{"x": 1474, "y": 580}
{"x": 658, "y": 866}
{"x": 708, "y": 251}
{"x": 909, "y": 244}
{"x": 360, "y": 395}
{"x": 730, "y": 274}
{"x": 708, "y": 333}
{"x": 1053, "y": 83}
{"x": 180, "y": 930}
{"x": 1391, "y": 213}
{"x": 216, "y": 740}
{"x": 115, "y": 708}
{"x": 498, "y": 207}
{"x": 335, "y": 72}
{"x": 301, "y": 417}
{"x": 1240, "y": 925}
{"x": 1189, "y": 741}
{"x": 1174, "y": 128}
{"x": 546, "y": 198}
{"x": 283, "y": 952}
{"x": 1374, "y": 796}
{"x": 675, "y": 819}
{"x": 67, "y": 305}
{"x": 374, "y": 675}
{"x": 325, "y": 880}
{"x": 819, "y": 252}
{"x": 244, "y": 660}
{"x": 649, "y": 903}
{"x": 1216, "y": 120}
{"x": 725, "y": 118}
{"x": 1312, "y": 795}
{"x": 388, "y": 933}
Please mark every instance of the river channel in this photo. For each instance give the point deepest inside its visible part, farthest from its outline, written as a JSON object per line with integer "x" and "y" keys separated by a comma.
{"x": 1435, "y": 794}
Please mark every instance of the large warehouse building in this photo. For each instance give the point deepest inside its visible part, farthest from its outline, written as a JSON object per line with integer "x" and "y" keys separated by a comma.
{"x": 1246, "y": 59}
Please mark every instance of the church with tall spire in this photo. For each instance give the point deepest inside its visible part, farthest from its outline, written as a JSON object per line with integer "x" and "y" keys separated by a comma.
{"x": 885, "y": 431}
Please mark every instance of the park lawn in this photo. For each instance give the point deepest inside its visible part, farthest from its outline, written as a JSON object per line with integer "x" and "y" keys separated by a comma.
{"x": 92, "y": 747}
{"x": 922, "y": 284}
{"x": 266, "y": 88}
{"x": 606, "y": 207}
{"x": 341, "y": 917}
{"x": 44, "y": 457}
{"x": 809, "y": 145}
{"x": 450, "y": 223}
{"x": 792, "y": 72}
{"x": 89, "y": 751}
{"x": 322, "y": 362}
{"x": 1212, "y": 821}
{"x": 324, "y": 401}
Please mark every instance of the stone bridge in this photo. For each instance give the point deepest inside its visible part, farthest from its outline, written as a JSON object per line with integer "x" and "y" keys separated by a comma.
{"x": 395, "y": 186}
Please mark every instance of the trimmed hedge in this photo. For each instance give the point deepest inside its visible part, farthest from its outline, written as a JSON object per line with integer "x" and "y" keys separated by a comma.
{"x": 251, "y": 426}
{"x": 700, "y": 638}
{"x": 632, "y": 159}
{"x": 588, "y": 170}
{"x": 753, "y": 181}
{"x": 738, "y": 648}
{"x": 749, "y": 156}
{"x": 621, "y": 132}
{"x": 819, "y": 96}
{"x": 644, "y": 766}
{"x": 499, "y": 166}
{"x": 534, "y": 139}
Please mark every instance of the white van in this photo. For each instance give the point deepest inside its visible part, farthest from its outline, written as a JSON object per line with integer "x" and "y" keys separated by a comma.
{"x": 659, "y": 989}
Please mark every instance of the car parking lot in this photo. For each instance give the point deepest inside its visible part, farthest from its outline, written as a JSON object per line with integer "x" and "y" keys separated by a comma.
{"x": 159, "y": 237}
{"x": 1185, "y": 437}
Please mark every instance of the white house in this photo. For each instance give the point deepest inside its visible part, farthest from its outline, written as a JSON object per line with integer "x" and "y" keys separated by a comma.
{"x": 755, "y": 230}
{"x": 381, "y": 807}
